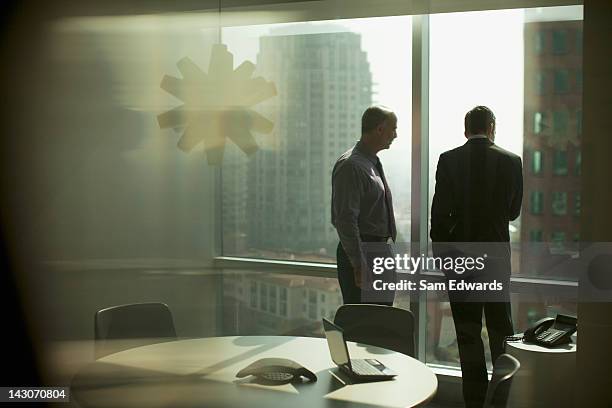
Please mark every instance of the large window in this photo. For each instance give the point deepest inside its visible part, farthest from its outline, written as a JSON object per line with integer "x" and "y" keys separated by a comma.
{"x": 327, "y": 72}
{"x": 522, "y": 47}
{"x": 277, "y": 201}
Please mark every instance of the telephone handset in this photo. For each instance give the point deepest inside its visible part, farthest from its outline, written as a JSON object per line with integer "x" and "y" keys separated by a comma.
{"x": 277, "y": 371}
{"x": 551, "y": 332}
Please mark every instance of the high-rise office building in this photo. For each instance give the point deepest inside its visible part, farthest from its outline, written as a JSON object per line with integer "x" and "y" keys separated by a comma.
{"x": 552, "y": 128}
{"x": 550, "y": 217}
{"x": 274, "y": 303}
{"x": 324, "y": 83}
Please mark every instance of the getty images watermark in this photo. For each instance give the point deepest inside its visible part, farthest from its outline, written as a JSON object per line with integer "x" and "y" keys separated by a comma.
{"x": 481, "y": 271}
{"x": 406, "y": 264}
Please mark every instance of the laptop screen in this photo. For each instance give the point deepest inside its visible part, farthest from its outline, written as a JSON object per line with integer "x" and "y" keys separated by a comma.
{"x": 335, "y": 342}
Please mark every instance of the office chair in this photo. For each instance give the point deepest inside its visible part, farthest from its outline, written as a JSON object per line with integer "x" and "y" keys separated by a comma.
{"x": 121, "y": 327}
{"x": 499, "y": 387}
{"x": 383, "y": 326}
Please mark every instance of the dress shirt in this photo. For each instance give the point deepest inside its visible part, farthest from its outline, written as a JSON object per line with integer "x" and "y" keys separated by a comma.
{"x": 359, "y": 203}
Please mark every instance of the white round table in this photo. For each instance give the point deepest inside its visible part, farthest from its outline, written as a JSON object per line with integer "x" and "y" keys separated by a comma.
{"x": 202, "y": 373}
{"x": 546, "y": 377}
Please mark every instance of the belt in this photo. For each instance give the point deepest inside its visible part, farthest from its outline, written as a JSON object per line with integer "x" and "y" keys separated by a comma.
{"x": 374, "y": 238}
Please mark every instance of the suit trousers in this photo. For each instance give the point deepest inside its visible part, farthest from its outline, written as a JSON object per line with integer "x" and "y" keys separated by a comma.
{"x": 351, "y": 293}
{"x": 467, "y": 316}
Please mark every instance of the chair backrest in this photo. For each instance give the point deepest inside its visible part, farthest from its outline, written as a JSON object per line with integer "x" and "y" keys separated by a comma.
{"x": 499, "y": 387}
{"x": 383, "y": 326}
{"x": 121, "y": 327}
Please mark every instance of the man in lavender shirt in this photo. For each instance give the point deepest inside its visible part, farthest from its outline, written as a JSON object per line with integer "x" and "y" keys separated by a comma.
{"x": 362, "y": 205}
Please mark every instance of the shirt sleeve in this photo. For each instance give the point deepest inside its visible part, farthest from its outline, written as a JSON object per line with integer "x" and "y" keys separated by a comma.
{"x": 347, "y": 191}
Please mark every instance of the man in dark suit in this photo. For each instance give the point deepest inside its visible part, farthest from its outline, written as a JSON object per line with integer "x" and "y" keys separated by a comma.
{"x": 479, "y": 189}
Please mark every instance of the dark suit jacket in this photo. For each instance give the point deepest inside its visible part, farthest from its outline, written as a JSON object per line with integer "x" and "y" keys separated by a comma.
{"x": 479, "y": 189}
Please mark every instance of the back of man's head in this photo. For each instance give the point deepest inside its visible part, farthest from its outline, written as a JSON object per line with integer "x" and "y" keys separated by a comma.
{"x": 478, "y": 120}
{"x": 373, "y": 117}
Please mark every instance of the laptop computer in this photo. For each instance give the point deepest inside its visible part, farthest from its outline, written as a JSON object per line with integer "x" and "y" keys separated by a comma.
{"x": 362, "y": 369}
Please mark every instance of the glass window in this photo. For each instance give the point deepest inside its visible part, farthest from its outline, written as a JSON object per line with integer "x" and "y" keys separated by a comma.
{"x": 577, "y": 204}
{"x": 560, "y": 163}
{"x": 578, "y": 168}
{"x": 561, "y": 81}
{"x": 559, "y": 203}
{"x": 536, "y": 162}
{"x": 277, "y": 200}
{"x": 535, "y": 235}
{"x": 294, "y": 312}
{"x": 539, "y": 41}
{"x": 540, "y": 84}
{"x": 536, "y": 202}
{"x": 519, "y": 42}
{"x": 559, "y": 123}
{"x": 579, "y": 122}
{"x": 288, "y": 178}
{"x": 557, "y": 240}
{"x": 559, "y": 41}
{"x": 538, "y": 122}
{"x": 312, "y": 297}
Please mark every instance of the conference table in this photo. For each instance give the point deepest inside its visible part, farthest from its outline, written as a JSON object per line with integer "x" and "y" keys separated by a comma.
{"x": 202, "y": 373}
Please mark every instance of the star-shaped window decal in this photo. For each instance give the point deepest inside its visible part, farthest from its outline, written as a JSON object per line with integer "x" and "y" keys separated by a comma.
{"x": 217, "y": 105}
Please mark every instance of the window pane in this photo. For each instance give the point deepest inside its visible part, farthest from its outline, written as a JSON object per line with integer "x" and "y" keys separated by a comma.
{"x": 559, "y": 41}
{"x": 560, "y": 163}
{"x": 291, "y": 318}
{"x": 539, "y": 42}
{"x": 536, "y": 200}
{"x": 559, "y": 124}
{"x": 550, "y": 193}
{"x": 277, "y": 200}
{"x": 540, "y": 85}
{"x": 538, "y": 122}
{"x": 536, "y": 108}
{"x": 559, "y": 203}
{"x": 577, "y": 204}
{"x": 536, "y": 163}
{"x": 535, "y": 235}
{"x": 561, "y": 83}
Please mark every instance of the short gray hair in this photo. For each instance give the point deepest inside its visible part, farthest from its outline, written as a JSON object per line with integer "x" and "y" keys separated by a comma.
{"x": 374, "y": 116}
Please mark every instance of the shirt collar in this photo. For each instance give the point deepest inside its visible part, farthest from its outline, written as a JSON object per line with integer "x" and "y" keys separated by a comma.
{"x": 371, "y": 157}
{"x": 477, "y": 137}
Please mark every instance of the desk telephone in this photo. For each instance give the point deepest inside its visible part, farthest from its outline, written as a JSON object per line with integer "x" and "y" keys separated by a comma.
{"x": 277, "y": 371}
{"x": 551, "y": 332}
